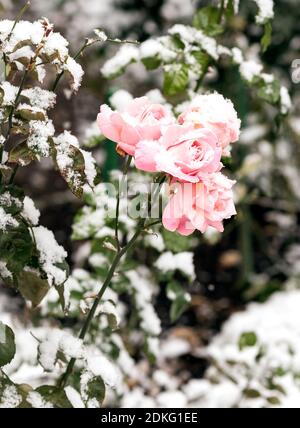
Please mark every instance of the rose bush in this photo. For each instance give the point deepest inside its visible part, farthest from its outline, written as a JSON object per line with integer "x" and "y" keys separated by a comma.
{"x": 107, "y": 325}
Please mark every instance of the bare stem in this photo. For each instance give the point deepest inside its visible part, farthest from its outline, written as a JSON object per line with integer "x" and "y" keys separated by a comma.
{"x": 119, "y": 195}
{"x": 19, "y": 16}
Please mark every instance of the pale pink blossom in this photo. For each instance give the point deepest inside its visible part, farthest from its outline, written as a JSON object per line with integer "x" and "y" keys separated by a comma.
{"x": 200, "y": 205}
{"x": 183, "y": 152}
{"x": 141, "y": 120}
{"x": 214, "y": 112}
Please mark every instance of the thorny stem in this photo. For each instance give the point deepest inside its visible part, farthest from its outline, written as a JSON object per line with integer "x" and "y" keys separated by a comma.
{"x": 140, "y": 228}
{"x": 119, "y": 195}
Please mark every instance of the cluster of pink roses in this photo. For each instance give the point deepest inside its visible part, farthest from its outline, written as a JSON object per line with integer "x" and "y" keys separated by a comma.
{"x": 188, "y": 149}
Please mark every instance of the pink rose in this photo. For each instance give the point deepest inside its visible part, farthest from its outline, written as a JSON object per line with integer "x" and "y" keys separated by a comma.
{"x": 200, "y": 205}
{"x": 216, "y": 113}
{"x": 141, "y": 120}
{"x": 183, "y": 152}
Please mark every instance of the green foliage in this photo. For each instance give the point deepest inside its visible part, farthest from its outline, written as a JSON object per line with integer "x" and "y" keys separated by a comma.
{"x": 247, "y": 340}
{"x": 22, "y": 154}
{"x": 176, "y": 78}
{"x": 180, "y": 300}
{"x": 95, "y": 389}
{"x": 267, "y": 37}
{"x": 7, "y": 344}
{"x": 151, "y": 63}
{"x": 54, "y": 395}
{"x": 17, "y": 246}
{"x": 207, "y": 20}
{"x": 270, "y": 92}
{"x": 32, "y": 287}
{"x": 175, "y": 242}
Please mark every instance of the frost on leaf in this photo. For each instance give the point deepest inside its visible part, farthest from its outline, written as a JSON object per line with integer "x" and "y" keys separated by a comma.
{"x": 51, "y": 256}
{"x": 76, "y": 166}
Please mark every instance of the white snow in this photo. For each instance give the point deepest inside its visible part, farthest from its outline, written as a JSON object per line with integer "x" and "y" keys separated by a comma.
{"x": 143, "y": 287}
{"x": 50, "y": 254}
{"x": 74, "y": 398}
{"x": 265, "y": 11}
{"x": 4, "y": 272}
{"x": 172, "y": 399}
{"x": 190, "y": 36}
{"x": 123, "y": 57}
{"x": 30, "y": 212}
{"x": 89, "y": 167}
{"x": 10, "y": 398}
{"x": 6, "y": 220}
{"x": 76, "y": 72}
{"x": 99, "y": 365}
{"x": 10, "y": 93}
{"x": 276, "y": 326}
{"x": 39, "y": 133}
{"x": 56, "y": 44}
{"x": 101, "y": 36}
{"x": 169, "y": 262}
{"x": 55, "y": 341}
{"x": 37, "y": 401}
{"x": 40, "y": 97}
{"x": 250, "y": 69}
{"x": 120, "y": 100}
{"x": 285, "y": 100}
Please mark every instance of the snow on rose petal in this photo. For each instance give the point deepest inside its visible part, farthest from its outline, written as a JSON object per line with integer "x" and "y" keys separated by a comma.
{"x": 214, "y": 112}
{"x": 141, "y": 120}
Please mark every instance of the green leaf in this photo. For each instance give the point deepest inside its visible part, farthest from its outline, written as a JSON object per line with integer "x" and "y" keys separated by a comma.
{"x": 7, "y": 345}
{"x": 32, "y": 287}
{"x": 95, "y": 389}
{"x": 147, "y": 349}
{"x": 269, "y": 91}
{"x": 230, "y": 9}
{"x": 28, "y": 114}
{"x": 109, "y": 310}
{"x": 22, "y": 155}
{"x": 17, "y": 247}
{"x": 177, "y": 243}
{"x": 180, "y": 300}
{"x": 267, "y": 37}
{"x": 247, "y": 340}
{"x": 151, "y": 63}
{"x": 1, "y": 89}
{"x": 176, "y": 78}
{"x": 177, "y": 43}
{"x": 55, "y": 396}
{"x": 252, "y": 393}
{"x": 5, "y": 171}
{"x": 202, "y": 59}
{"x": 207, "y": 20}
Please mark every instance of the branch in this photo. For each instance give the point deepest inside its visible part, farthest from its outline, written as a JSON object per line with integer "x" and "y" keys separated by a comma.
{"x": 140, "y": 228}
{"x": 125, "y": 171}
